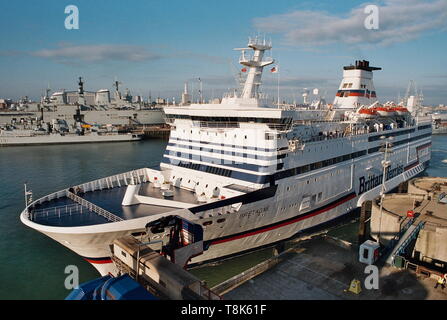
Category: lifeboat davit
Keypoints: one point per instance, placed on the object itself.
(385, 112)
(400, 110)
(367, 113)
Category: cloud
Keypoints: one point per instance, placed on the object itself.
(399, 21)
(69, 54)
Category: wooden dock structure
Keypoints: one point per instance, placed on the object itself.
(160, 131)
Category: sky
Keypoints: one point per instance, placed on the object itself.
(153, 47)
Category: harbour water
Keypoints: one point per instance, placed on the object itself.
(32, 266)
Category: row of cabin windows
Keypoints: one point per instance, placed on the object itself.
(216, 152)
(207, 223)
(424, 127)
(347, 85)
(207, 133)
(208, 169)
(314, 199)
(397, 143)
(321, 177)
(318, 165)
(231, 119)
(391, 134)
(223, 145)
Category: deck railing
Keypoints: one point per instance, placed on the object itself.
(118, 180)
(57, 211)
(93, 207)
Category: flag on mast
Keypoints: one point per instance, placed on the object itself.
(274, 69)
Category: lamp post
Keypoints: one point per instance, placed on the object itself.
(385, 164)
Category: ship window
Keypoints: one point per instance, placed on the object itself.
(123, 254)
(221, 220)
(207, 223)
(305, 203)
(320, 196)
(345, 85)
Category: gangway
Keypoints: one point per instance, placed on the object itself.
(404, 241)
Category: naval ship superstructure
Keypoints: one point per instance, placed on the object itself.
(95, 108)
(249, 173)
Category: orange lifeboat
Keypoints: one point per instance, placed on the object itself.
(400, 110)
(367, 113)
(384, 111)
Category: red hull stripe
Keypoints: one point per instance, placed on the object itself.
(98, 260)
(287, 222)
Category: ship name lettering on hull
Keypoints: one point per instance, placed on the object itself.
(374, 181)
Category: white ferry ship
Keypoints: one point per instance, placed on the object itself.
(250, 174)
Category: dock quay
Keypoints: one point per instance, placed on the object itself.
(322, 268)
(412, 255)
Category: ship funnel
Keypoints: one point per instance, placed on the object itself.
(357, 87)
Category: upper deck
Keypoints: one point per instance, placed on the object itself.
(101, 201)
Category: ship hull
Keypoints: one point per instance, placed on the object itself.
(92, 243)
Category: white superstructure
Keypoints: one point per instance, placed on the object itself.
(250, 174)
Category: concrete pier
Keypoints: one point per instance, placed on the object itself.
(322, 268)
(424, 203)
